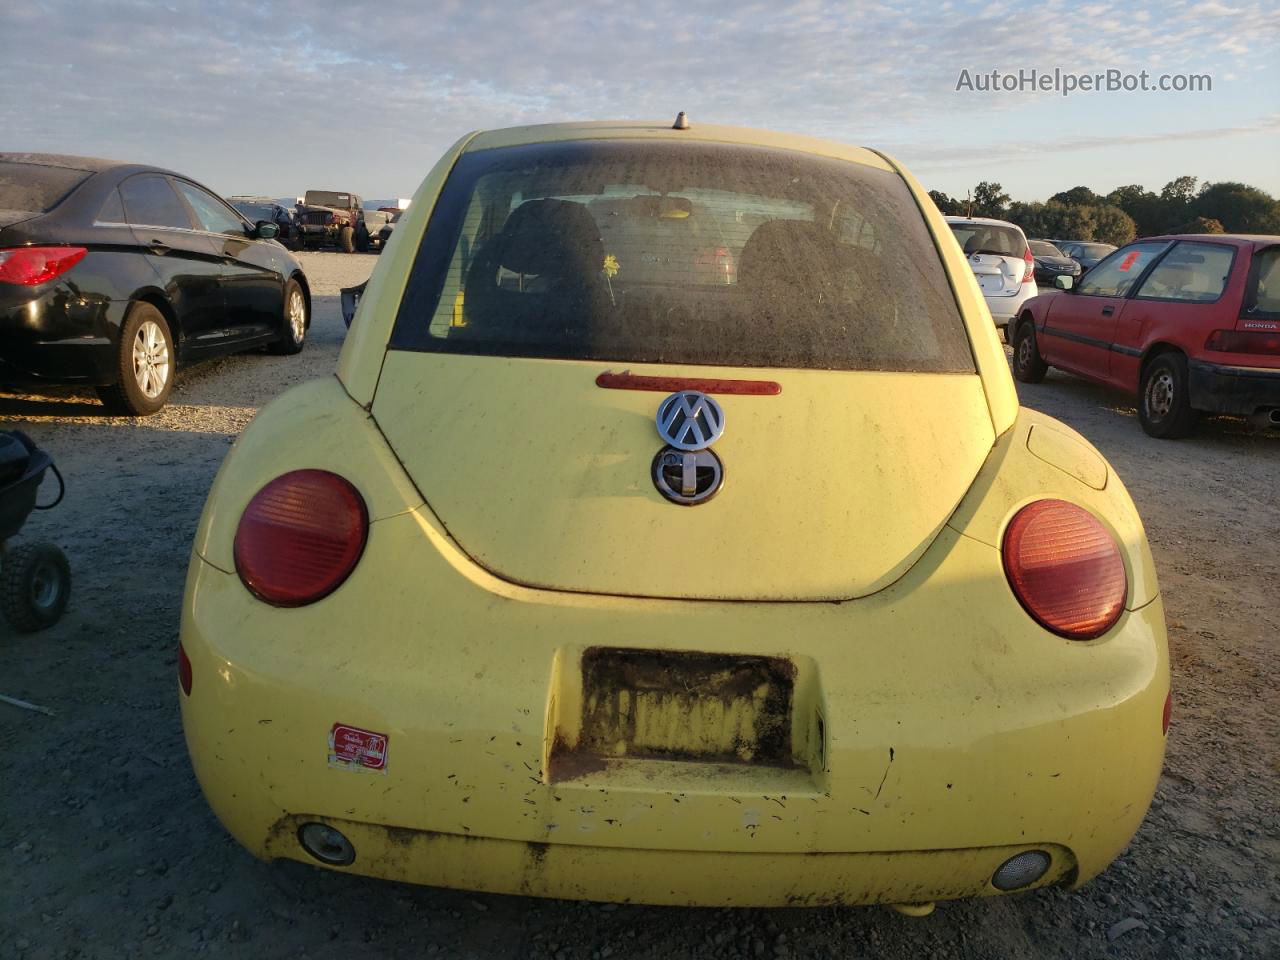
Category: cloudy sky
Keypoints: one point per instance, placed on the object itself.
(252, 96)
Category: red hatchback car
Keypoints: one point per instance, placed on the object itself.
(1188, 323)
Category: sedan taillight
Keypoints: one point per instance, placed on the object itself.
(1244, 341)
(300, 537)
(1065, 569)
(29, 266)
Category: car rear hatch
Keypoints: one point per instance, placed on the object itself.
(996, 254)
(853, 420)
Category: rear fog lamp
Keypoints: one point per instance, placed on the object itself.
(326, 844)
(1021, 870)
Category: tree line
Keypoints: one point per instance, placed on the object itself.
(1126, 212)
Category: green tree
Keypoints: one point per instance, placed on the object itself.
(1145, 207)
(1112, 225)
(948, 206)
(1179, 190)
(1053, 220)
(1077, 197)
(1239, 207)
(1200, 225)
(989, 200)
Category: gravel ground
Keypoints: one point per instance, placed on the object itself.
(108, 850)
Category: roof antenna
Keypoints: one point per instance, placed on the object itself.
(682, 121)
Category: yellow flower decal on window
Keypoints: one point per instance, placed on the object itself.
(610, 266)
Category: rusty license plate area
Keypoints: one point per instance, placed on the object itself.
(685, 705)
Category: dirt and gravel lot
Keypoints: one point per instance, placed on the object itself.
(108, 850)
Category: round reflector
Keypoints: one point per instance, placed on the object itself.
(1065, 569)
(300, 537)
(1021, 870)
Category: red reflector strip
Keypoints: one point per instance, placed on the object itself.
(746, 388)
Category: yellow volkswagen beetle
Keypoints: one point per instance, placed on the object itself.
(671, 533)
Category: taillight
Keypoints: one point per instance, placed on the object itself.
(1030, 262)
(29, 266)
(300, 537)
(1244, 341)
(1065, 569)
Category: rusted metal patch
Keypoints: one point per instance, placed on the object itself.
(680, 705)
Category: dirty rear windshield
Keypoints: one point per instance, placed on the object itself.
(35, 187)
(681, 253)
(326, 198)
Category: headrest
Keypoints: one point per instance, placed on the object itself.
(779, 244)
(550, 237)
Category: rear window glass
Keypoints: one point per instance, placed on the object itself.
(35, 187)
(1192, 272)
(989, 238)
(1263, 297)
(327, 198)
(256, 211)
(681, 253)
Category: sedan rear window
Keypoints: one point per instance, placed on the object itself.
(35, 187)
(681, 253)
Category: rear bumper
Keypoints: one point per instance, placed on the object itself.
(55, 339)
(928, 747)
(670, 877)
(1220, 388)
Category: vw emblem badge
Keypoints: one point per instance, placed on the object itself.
(690, 420)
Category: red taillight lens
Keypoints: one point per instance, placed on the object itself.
(1168, 712)
(29, 266)
(1065, 569)
(300, 537)
(1030, 262)
(184, 671)
(1244, 341)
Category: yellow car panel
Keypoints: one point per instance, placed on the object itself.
(560, 496)
(559, 684)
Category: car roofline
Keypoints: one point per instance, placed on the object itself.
(663, 131)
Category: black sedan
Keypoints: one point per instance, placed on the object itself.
(1052, 262)
(1086, 253)
(111, 274)
(257, 209)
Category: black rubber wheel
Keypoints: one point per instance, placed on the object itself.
(35, 584)
(363, 240)
(294, 321)
(1164, 398)
(1028, 365)
(347, 239)
(145, 364)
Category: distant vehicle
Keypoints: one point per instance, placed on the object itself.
(328, 218)
(385, 233)
(1087, 254)
(1188, 323)
(264, 208)
(1051, 262)
(374, 221)
(1001, 260)
(113, 273)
